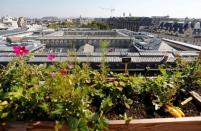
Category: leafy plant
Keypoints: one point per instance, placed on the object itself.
(191, 73)
(164, 88)
(126, 118)
(75, 94)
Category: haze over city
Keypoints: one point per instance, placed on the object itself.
(97, 8)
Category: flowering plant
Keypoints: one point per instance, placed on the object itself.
(76, 94)
(51, 56)
(20, 50)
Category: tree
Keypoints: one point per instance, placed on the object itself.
(97, 25)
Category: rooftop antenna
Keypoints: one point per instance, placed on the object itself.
(110, 9)
(130, 15)
(124, 14)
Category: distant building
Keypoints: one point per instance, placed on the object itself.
(3, 27)
(179, 29)
(130, 23)
(9, 22)
(82, 21)
(156, 20)
(50, 19)
(22, 22)
(87, 48)
(197, 29)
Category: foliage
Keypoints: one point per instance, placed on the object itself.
(164, 87)
(97, 25)
(191, 73)
(126, 118)
(104, 46)
(61, 25)
(83, 97)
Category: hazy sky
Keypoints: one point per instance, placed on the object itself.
(93, 8)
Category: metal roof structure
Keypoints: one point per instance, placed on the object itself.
(83, 37)
(141, 48)
(14, 32)
(110, 57)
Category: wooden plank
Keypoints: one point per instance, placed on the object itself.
(18, 126)
(196, 96)
(162, 124)
(41, 126)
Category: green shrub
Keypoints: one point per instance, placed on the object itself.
(80, 96)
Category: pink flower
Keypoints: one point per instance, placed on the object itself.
(20, 50)
(63, 72)
(53, 74)
(70, 66)
(51, 56)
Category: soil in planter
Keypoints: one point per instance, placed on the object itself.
(198, 90)
(144, 109)
(141, 108)
(192, 108)
(137, 110)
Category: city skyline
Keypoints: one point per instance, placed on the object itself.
(97, 8)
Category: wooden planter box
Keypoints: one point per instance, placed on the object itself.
(162, 124)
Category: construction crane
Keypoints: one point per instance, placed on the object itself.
(110, 9)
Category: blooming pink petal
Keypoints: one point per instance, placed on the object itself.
(51, 56)
(63, 72)
(20, 50)
(53, 74)
(71, 66)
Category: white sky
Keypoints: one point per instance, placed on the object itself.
(92, 8)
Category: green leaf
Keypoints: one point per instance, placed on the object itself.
(121, 83)
(59, 109)
(44, 106)
(73, 123)
(127, 105)
(17, 94)
(78, 124)
(128, 102)
(103, 124)
(82, 126)
(126, 118)
(106, 103)
(4, 115)
(163, 71)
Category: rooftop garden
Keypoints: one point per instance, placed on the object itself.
(93, 25)
(73, 93)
